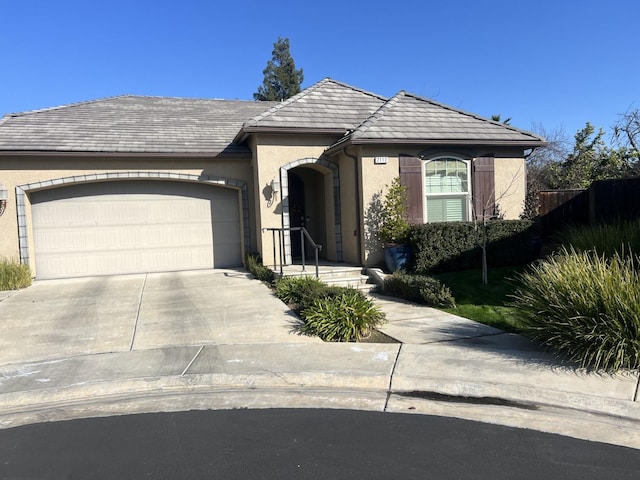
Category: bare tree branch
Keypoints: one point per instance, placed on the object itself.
(626, 130)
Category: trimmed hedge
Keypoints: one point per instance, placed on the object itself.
(253, 262)
(418, 288)
(451, 246)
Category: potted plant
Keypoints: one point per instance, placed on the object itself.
(394, 227)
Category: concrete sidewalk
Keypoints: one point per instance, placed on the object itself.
(168, 358)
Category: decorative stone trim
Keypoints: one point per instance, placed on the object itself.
(284, 188)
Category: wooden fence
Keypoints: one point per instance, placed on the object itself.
(603, 202)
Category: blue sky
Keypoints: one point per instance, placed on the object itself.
(556, 63)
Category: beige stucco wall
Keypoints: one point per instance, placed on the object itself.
(349, 212)
(362, 183)
(275, 151)
(376, 179)
(509, 180)
(510, 186)
(20, 170)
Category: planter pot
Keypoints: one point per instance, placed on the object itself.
(396, 256)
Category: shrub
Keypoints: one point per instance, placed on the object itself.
(14, 275)
(451, 246)
(253, 261)
(300, 291)
(395, 225)
(331, 312)
(347, 316)
(585, 306)
(606, 239)
(419, 288)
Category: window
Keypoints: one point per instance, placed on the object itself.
(447, 190)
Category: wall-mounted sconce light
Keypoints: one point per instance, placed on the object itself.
(4, 196)
(271, 192)
(275, 186)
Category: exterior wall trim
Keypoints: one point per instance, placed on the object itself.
(23, 190)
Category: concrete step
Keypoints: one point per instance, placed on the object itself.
(360, 282)
(332, 274)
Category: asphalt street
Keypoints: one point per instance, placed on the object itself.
(299, 443)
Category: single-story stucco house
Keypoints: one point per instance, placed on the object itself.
(140, 184)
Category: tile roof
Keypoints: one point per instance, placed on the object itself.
(132, 124)
(325, 106)
(180, 126)
(407, 118)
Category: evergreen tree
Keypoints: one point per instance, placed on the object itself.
(591, 159)
(281, 79)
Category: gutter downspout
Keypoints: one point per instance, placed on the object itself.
(359, 219)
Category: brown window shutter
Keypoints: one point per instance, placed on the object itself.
(483, 186)
(411, 177)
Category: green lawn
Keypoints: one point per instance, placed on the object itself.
(484, 303)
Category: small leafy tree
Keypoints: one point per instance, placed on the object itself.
(394, 221)
(489, 209)
(281, 78)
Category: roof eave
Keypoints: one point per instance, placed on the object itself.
(427, 142)
(247, 131)
(81, 153)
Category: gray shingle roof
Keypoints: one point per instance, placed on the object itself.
(132, 124)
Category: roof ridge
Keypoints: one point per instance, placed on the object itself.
(66, 105)
(254, 120)
(357, 89)
(473, 115)
(117, 97)
(378, 114)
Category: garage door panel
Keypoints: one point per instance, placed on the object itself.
(133, 227)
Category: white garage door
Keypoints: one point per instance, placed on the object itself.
(133, 227)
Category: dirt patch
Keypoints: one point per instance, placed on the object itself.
(378, 337)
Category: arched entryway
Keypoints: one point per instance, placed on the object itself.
(311, 199)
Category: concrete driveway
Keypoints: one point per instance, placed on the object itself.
(65, 318)
(219, 339)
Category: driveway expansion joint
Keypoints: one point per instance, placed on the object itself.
(135, 324)
(393, 369)
(192, 360)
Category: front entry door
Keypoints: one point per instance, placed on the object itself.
(297, 212)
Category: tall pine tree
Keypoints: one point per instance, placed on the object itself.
(281, 79)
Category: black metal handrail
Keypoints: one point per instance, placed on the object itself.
(303, 234)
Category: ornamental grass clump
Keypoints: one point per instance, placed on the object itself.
(586, 306)
(14, 275)
(345, 315)
(620, 236)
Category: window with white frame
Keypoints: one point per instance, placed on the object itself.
(447, 189)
